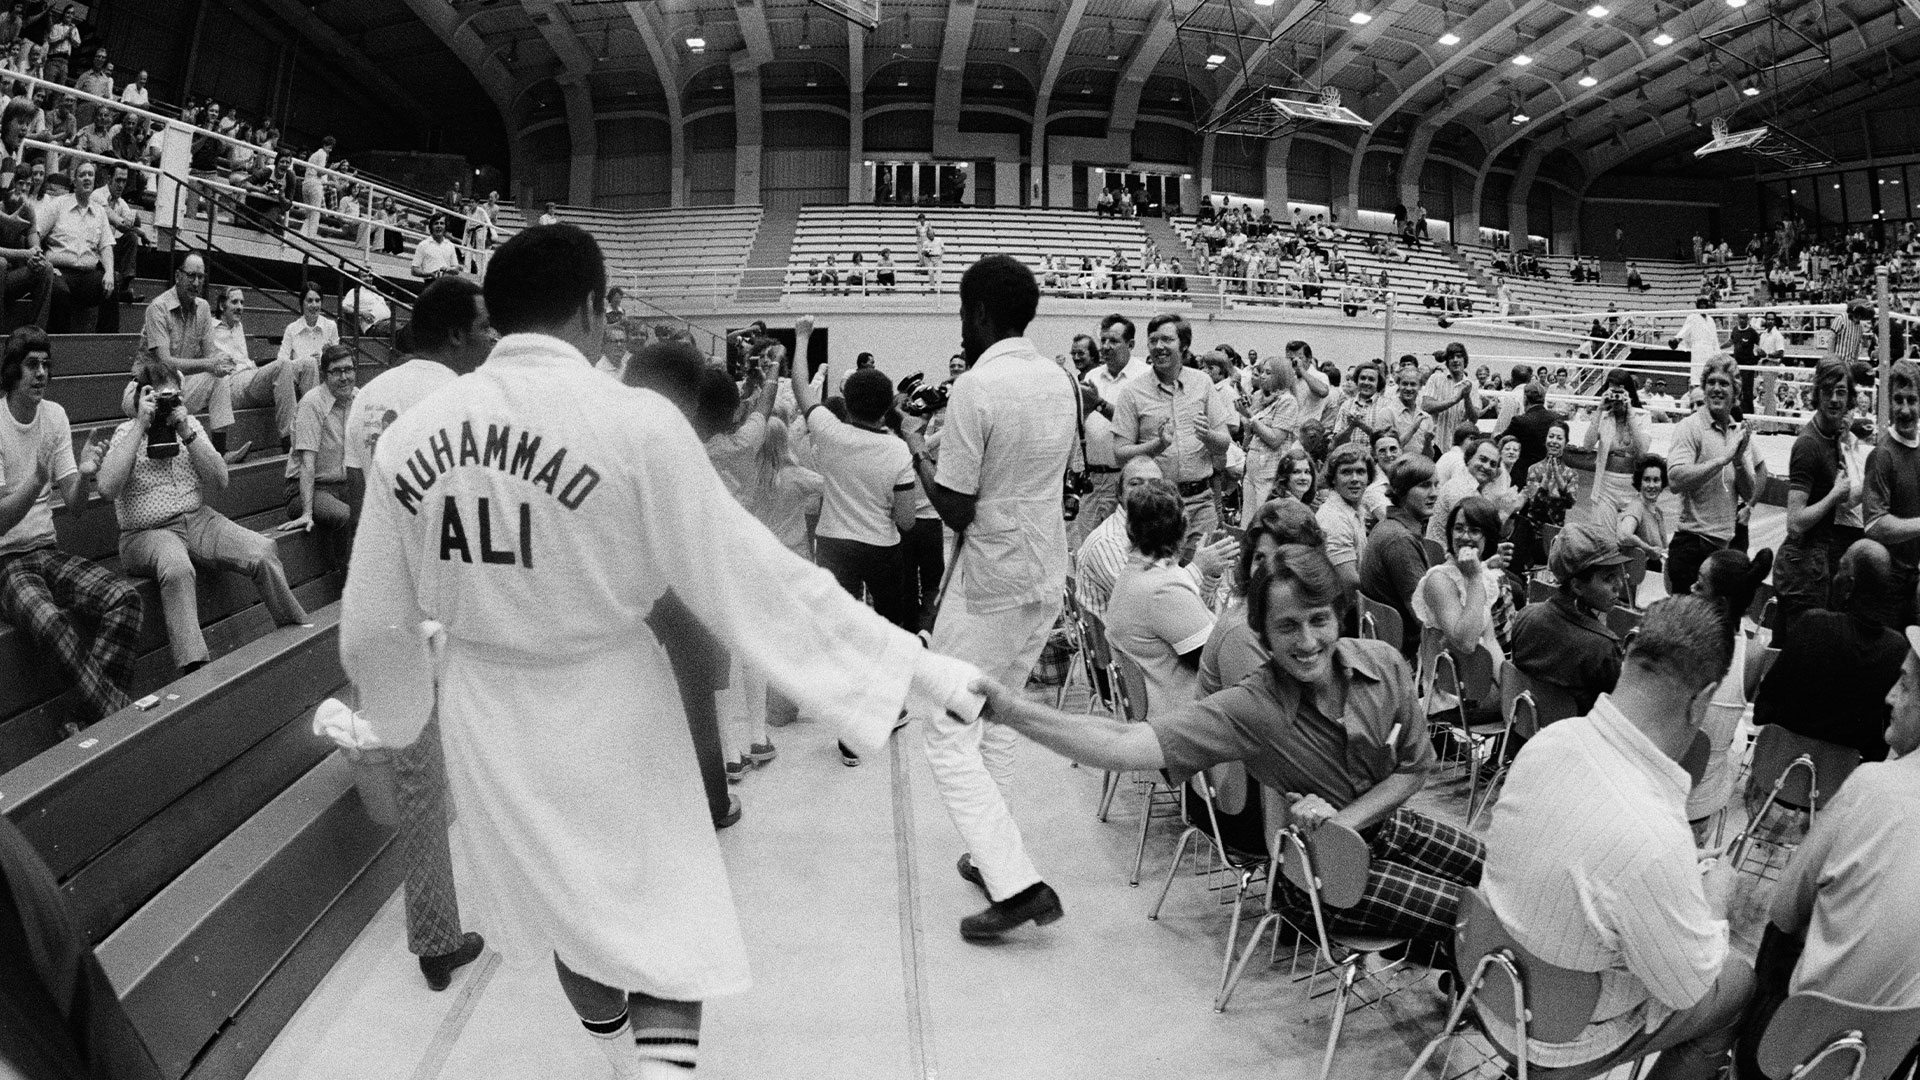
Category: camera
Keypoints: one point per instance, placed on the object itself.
(923, 401)
(162, 440)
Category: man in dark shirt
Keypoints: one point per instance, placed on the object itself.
(1831, 679)
(1744, 343)
(1530, 427)
(27, 274)
(1565, 642)
(1891, 506)
(1817, 486)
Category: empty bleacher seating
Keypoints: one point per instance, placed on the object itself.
(689, 252)
(1669, 284)
(968, 233)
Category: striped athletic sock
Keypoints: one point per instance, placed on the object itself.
(678, 1047)
(667, 1034)
(606, 1029)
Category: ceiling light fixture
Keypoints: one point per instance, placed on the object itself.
(1361, 16)
(697, 45)
(1751, 91)
(1736, 3)
(1447, 36)
(1598, 11)
(1661, 37)
(1216, 59)
(1586, 78)
(1262, 3)
(1521, 59)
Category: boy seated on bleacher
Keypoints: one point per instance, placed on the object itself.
(155, 470)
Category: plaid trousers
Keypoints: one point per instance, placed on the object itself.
(54, 597)
(420, 783)
(1420, 867)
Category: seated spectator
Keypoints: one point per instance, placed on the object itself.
(316, 465)
(82, 617)
(1454, 461)
(135, 92)
(1458, 597)
(1235, 650)
(1104, 553)
(1844, 922)
(1482, 468)
(166, 526)
(1831, 679)
(1591, 867)
(1633, 278)
(1729, 579)
(1356, 763)
(856, 276)
(1343, 516)
(1565, 641)
(1643, 524)
(1395, 557)
(1155, 615)
(96, 132)
(79, 244)
(28, 275)
(883, 271)
(125, 222)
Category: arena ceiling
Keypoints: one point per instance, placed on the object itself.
(1618, 82)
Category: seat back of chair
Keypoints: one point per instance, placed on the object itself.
(1385, 621)
(1762, 596)
(1694, 761)
(1330, 862)
(1517, 706)
(1839, 1033)
(1559, 1002)
(1777, 752)
(1131, 686)
(1759, 662)
(1623, 620)
(1636, 572)
(1540, 590)
(1550, 702)
(1436, 551)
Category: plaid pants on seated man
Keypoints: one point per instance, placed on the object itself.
(1418, 871)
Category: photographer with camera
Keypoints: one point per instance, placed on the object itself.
(155, 470)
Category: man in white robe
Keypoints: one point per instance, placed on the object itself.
(534, 514)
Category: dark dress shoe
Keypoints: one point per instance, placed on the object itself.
(439, 969)
(1037, 904)
(970, 872)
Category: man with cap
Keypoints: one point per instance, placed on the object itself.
(1843, 922)
(1565, 641)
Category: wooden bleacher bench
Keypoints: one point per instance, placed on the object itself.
(213, 849)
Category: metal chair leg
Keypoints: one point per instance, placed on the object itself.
(1246, 955)
(1140, 849)
(1454, 1017)
(1348, 972)
(1109, 785)
(1233, 928)
(1173, 868)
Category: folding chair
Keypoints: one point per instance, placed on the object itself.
(1540, 589)
(1101, 673)
(1762, 596)
(1436, 551)
(1200, 808)
(1513, 995)
(1635, 571)
(1803, 773)
(1467, 680)
(1810, 1034)
(1130, 683)
(1330, 866)
(1380, 622)
(1548, 534)
(1623, 620)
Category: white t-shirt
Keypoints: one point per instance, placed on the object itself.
(48, 438)
(385, 397)
(862, 469)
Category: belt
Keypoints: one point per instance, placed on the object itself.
(1190, 488)
(1101, 469)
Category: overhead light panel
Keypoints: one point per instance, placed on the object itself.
(1661, 37)
(1447, 36)
(1586, 78)
(1216, 59)
(1521, 117)
(1521, 59)
(1736, 3)
(1361, 16)
(1751, 91)
(697, 44)
(1599, 11)
(1262, 3)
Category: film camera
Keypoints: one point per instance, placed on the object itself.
(922, 400)
(162, 440)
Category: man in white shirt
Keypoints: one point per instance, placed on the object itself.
(549, 217)
(313, 187)
(300, 346)
(1591, 865)
(135, 92)
(613, 350)
(598, 500)
(1316, 393)
(1698, 337)
(1773, 352)
(79, 243)
(1009, 437)
(436, 256)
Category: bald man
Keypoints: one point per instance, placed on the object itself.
(1104, 552)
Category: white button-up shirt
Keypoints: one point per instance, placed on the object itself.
(1107, 384)
(1009, 437)
(1591, 866)
(303, 342)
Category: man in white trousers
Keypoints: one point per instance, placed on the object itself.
(520, 522)
(1009, 437)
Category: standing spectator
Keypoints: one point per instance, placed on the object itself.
(936, 256)
(1699, 338)
(1819, 485)
(62, 39)
(1591, 866)
(85, 618)
(1412, 426)
(316, 466)
(1271, 417)
(1530, 426)
(1172, 414)
(28, 275)
(1343, 517)
(1009, 438)
(166, 526)
(1450, 395)
(96, 80)
(12, 22)
(1711, 464)
(1892, 502)
(79, 244)
(1620, 434)
(313, 187)
(301, 346)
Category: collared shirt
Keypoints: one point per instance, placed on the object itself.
(320, 426)
(1557, 642)
(1269, 722)
(119, 215)
(134, 94)
(1812, 468)
(301, 342)
(431, 256)
(1145, 402)
(81, 231)
(1154, 617)
(1010, 435)
(1412, 425)
(1442, 386)
(231, 342)
(1591, 866)
(1108, 385)
(1850, 888)
(1375, 415)
(1893, 489)
(1345, 527)
(158, 490)
(186, 335)
(1708, 509)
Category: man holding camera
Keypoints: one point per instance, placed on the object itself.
(154, 470)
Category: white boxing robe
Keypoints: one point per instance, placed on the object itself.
(537, 512)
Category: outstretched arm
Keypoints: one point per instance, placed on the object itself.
(1104, 743)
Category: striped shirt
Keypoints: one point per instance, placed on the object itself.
(1591, 866)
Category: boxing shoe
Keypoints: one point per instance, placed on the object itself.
(439, 969)
(1037, 903)
(970, 872)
